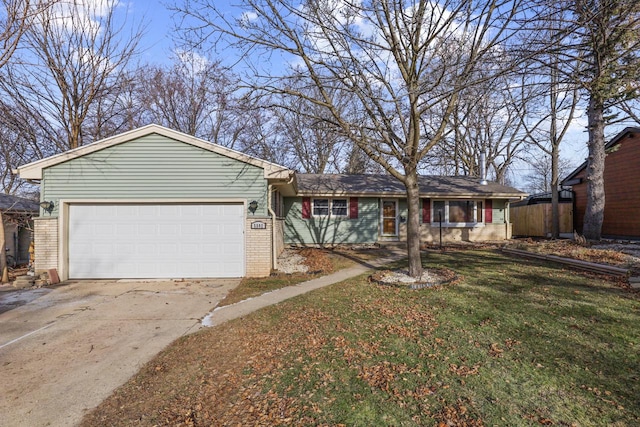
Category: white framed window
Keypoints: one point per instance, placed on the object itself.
(337, 207)
(463, 212)
(320, 207)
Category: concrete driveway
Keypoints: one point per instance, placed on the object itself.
(64, 350)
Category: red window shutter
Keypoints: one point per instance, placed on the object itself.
(306, 207)
(353, 208)
(488, 211)
(426, 210)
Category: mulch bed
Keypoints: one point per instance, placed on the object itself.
(431, 278)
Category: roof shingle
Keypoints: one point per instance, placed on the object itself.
(11, 203)
(430, 186)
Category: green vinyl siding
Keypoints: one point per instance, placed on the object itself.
(403, 211)
(155, 167)
(331, 230)
(498, 211)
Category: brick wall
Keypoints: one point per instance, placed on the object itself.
(622, 203)
(46, 243)
(258, 248)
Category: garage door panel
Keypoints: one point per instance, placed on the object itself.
(125, 229)
(211, 229)
(125, 249)
(145, 229)
(234, 248)
(190, 229)
(168, 231)
(164, 241)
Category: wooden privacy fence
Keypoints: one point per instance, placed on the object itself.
(535, 220)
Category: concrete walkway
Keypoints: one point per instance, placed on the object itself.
(242, 308)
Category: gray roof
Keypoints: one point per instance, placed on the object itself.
(386, 185)
(11, 203)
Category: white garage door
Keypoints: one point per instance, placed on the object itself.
(156, 241)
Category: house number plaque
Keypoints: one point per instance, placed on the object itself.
(258, 225)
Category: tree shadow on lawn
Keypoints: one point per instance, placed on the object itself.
(512, 343)
(481, 265)
(571, 322)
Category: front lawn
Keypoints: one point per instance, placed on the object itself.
(319, 262)
(513, 342)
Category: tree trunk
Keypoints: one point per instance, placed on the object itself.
(3, 253)
(555, 152)
(413, 224)
(594, 213)
(555, 198)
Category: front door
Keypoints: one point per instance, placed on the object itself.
(389, 217)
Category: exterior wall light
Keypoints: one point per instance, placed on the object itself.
(253, 206)
(47, 206)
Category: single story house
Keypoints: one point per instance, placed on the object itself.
(17, 214)
(621, 178)
(156, 203)
(331, 209)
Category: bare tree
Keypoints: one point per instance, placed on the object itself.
(120, 109)
(75, 54)
(541, 177)
(13, 23)
(401, 60)
(261, 137)
(597, 43)
(486, 120)
(631, 108)
(314, 142)
(556, 99)
(194, 95)
(357, 162)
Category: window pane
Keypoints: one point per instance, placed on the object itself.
(461, 211)
(480, 212)
(320, 207)
(438, 211)
(339, 207)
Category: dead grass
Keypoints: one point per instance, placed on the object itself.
(319, 262)
(516, 342)
(570, 249)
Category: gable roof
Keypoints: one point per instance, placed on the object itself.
(386, 185)
(9, 203)
(615, 140)
(34, 170)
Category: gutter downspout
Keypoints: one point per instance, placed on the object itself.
(274, 255)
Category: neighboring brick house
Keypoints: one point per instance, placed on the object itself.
(621, 181)
(156, 203)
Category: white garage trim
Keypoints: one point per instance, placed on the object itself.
(64, 210)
